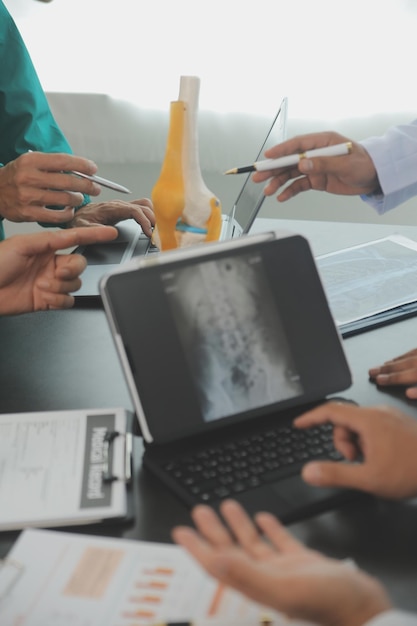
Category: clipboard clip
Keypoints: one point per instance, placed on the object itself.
(109, 438)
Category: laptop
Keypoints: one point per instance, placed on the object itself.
(233, 341)
(103, 258)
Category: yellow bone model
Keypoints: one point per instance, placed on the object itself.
(168, 192)
(200, 216)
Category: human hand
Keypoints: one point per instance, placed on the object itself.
(35, 180)
(278, 571)
(402, 370)
(115, 211)
(33, 277)
(351, 174)
(382, 440)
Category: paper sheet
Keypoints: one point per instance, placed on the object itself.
(370, 278)
(77, 580)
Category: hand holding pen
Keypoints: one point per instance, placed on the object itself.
(35, 181)
(48, 187)
(339, 149)
(104, 182)
(349, 173)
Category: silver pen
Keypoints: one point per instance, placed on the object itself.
(103, 182)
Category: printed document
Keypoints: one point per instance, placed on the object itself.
(370, 278)
(54, 578)
(52, 467)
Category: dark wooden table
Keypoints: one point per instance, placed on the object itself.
(66, 360)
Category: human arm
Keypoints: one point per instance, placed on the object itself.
(370, 439)
(280, 572)
(27, 123)
(402, 370)
(33, 182)
(382, 169)
(351, 174)
(114, 211)
(26, 120)
(394, 155)
(33, 277)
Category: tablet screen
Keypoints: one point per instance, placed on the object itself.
(228, 336)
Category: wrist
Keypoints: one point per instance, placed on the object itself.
(371, 600)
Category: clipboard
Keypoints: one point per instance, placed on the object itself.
(66, 468)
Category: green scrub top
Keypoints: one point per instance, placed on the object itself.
(26, 121)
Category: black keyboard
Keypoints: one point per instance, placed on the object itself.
(223, 470)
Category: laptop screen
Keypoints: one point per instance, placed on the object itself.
(251, 196)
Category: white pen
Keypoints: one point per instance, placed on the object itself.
(292, 159)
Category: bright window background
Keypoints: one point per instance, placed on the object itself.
(333, 59)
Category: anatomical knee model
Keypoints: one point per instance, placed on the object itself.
(186, 211)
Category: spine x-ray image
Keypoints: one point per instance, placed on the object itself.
(232, 335)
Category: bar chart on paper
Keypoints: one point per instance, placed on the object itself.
(80, 580)
(164, 588)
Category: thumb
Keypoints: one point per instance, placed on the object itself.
(330, 474)
(411, 393)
